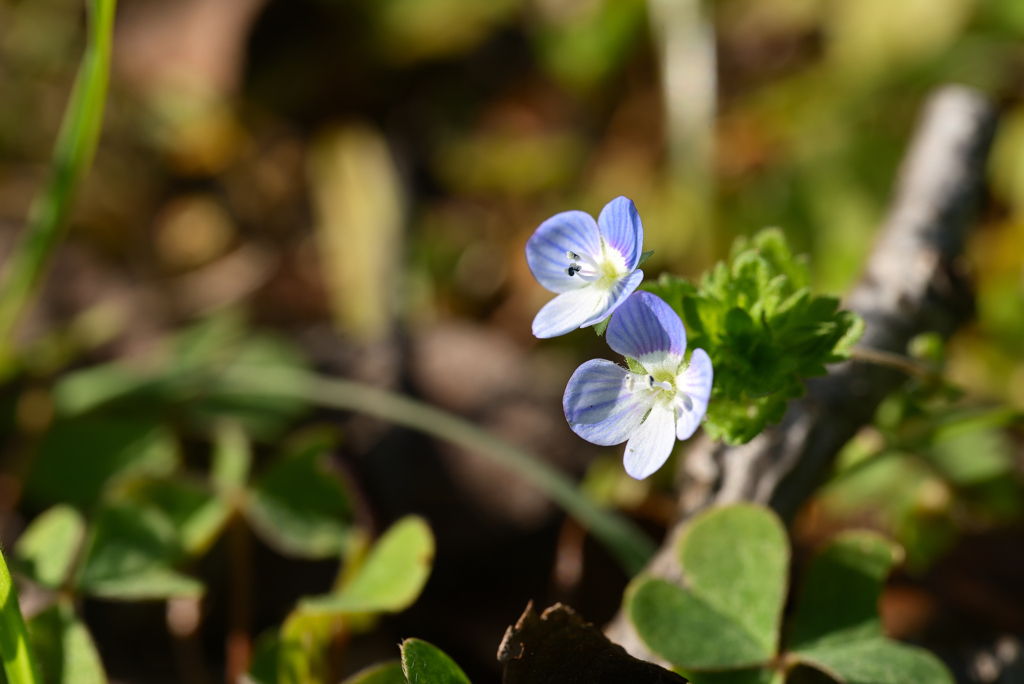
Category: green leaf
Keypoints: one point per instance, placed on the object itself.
(78, 459)
(385, 673)
(232, 456)
(129, 555)
(601, 326)
(391, 578)
(198, 516)
(759, 675)
(265, 654)
(687, 631)
(426, 664)
(876, 661)
(763, 330)
(635, 366)
(47, 550)
(644, 257)
(67, 654)
(736, 559)
(300, 507)
(839, 600)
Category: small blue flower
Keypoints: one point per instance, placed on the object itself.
(607, 404)
(590, 265)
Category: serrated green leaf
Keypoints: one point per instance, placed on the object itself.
(839, 600)
(392, 577)
(601, 326)
(129, 556)
(736, 559)
(385, 673)
(425, 663)
(78, 459)
(300, 506)
(64, 647)
(876, 661)
(47, 550)
(763, 330)
(687, 631)
(197, 514)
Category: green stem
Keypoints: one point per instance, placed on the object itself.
(19, 665)
(72, 157)
(630, 545)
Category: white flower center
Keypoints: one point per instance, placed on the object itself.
(665, 391)
(604, 268)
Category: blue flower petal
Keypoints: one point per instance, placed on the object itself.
(651, 443)
(622, 230)
(569, 231)
(695, 381)
(599, 407)
(568, 311)
(615, 297)
(645, 328)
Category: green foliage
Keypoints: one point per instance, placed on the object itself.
(300, 506)
(47, 550)
(78, 459)
(736, 561)
(67, 654)
(391, 578)
(130, 556)
(385, 673)
(723, 626)
(197, 514)
(424, 663)
(763, 329)
(929, 468)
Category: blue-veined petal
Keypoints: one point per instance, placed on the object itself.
(615, 296)
(651, 443)
(598, 405)
(695, 382)
(645, 328)
(569, 231)
(568, 311)
(622, 230)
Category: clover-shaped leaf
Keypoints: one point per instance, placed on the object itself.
(47, 550)
(836, 628)
(300, 506)
(390, 579)
(130, 556)
(64, 647)
(425, 663)
(722, 625)
(735, 561)
(385, 673)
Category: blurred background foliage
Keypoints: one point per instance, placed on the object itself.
(348, 185)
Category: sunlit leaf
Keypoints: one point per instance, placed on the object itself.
(426, 664)
(385, 673)
(66, 652)
(391, 578)
(46, 551)
(876, 661)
